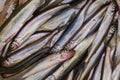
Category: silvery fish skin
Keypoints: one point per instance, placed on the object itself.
(92, 62)
(30, 61)
(117, 53)
(11, 27)
(90, 74)
(33, 25)
(79, 51)
(79, 48)
(95, 6)
(67, 1)
(7, 10)
(32, 54)
(107, 69)
(2, 4)
(72, 30)
(50, 61)
(51, 4)
(98, 70)
(20, 55)
(39, 75)
(63, 18)
(71, 75)
(31, 39)
(116, 72)
(113, 47)
(104, 27)
(27, 63)
(32, 48)
(79, 71)
(7, 51)
(56, 73)
(87, 28)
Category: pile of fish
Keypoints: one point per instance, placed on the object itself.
(60, 39)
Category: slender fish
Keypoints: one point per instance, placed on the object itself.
(107, 69)
(116, 72)
(92, 62)
(104, 27)
(96, 6)
(87, 28)
(72, 30)
(33, 25)
(98, 69)
(14, 24)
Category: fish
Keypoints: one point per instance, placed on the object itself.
(49, 61)
(71, 75)
(2, 4)
(51, 4)
(95, 7)
(9, 7)
(98, 69)
(31, 39)
(63, 18)
(92, 62)
(90, 74)
(80, 68)
(67, 1)
(107, 69)
(79, 49)
(20, 55)
(71, 31)
(87, 29)
(117, 54)
(79, 52)
(11, 27)
(104, 27)
(40, 75)
(116, 72)
(33, 25)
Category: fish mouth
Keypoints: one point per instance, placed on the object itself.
(15, 45)
(65, 55)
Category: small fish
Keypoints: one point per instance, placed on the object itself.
(107, 69)
(104, 27)
(98, 69)
(49, 62)
(51, 4)
(92, 62)
(33, 25)
(71, 75)
(80, 69)
(87, 29)
(117, 53)
(14, 24)
(79, 52)
(30, 40)
(90, 74)
(72, 30)
(95, 7)
(116, 72)
(23, 53)
(8, 8)
(64, 17)
(39, 75)
(67, 1)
